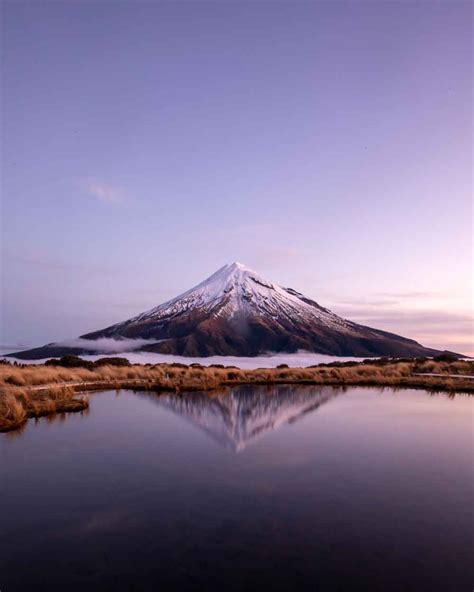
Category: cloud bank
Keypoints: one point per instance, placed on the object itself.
(108, 345)
(297, 360)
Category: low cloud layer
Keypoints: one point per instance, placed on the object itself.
(299, 359)
(108, 345)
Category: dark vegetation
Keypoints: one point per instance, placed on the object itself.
(70, 361)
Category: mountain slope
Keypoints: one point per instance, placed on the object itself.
(238, 416)
(237, 312)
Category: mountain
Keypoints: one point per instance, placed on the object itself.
(237, 312)
(239, 415)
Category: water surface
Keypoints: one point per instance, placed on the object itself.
(279, 488)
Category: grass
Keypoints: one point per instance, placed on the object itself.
(18, 404)
(36, 390)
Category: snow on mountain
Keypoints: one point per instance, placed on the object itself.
(235, 290)
(240, 415)
(237, 312)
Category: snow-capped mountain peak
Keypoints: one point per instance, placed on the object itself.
(235, 290)
(236, 311)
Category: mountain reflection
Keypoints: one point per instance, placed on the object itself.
(237, 416)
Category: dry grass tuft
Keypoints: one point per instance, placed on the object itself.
(36, 390)
(12, 412)
(17, 405)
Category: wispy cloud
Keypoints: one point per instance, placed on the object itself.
(46, 264)
(430, 318)
(103, 191)
(390, 299)
(441, 329)
(361, 303)
(409, 295)
(42, 263)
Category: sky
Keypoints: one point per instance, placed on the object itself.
(327, 145)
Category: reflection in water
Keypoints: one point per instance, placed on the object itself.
(371, 491)
(238, 415)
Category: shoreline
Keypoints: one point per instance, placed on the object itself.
(32, 391)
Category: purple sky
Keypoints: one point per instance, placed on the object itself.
(325, 144)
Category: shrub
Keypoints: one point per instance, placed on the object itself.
(70, 362)
(446, 357)
(112, 362)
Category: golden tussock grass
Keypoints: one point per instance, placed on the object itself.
(36, 390)
(17, 404)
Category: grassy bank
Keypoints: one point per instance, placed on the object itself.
(17, 405)
(34, 390)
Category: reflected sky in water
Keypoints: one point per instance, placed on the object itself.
(288, 487)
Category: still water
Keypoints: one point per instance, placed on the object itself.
(270, 488)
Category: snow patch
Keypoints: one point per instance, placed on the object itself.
(235, 290)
